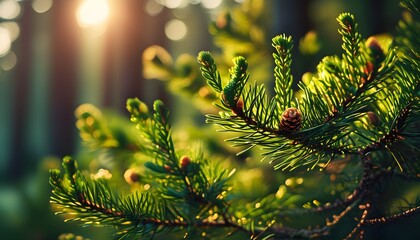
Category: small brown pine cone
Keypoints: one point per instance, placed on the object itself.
(291, 120)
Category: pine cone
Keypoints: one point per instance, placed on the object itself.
(291, 120)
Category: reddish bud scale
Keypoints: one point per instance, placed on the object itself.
(368, 68)
(184, 161)
(222, 21)
(239, 107)
(376, 51)
(168, 168)
(229, 103)
(374, 45)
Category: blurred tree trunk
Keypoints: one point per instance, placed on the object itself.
(129, 32)
(63, 76)
(16, 163)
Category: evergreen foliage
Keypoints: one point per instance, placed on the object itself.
(185, 194)
(355, 119)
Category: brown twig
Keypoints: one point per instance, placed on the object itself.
(384, 220)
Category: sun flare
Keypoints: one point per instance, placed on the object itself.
(92, 13)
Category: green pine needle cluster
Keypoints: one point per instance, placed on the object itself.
(185, 191)
(364, 101)
(282, 70)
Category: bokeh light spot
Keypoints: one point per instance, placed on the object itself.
(41, 6)
(92, 13)
(281, 192)
(8, 62)
(9, 9)
(153, 8)
(194, 1)
(12, 28)
(172, 3)
(5, 41)
(210, 4)
(176, 30)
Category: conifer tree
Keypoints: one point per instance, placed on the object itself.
(348, 133)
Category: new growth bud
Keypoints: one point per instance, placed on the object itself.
(138, 110)
(55, 176)
(238, 78)
(205, 59)
(184, 161)
(69, 165)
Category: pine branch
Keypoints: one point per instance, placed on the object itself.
(156, 129)
(361, 106)
(385, 220)
(361, 220)
(138, 214)
(348, 87)
(93, 203)
(209, 71)
(408, 27)
(282, 71)
(256, 121)
(363, 78)
(96, 132)
(202, 186)
(351, 46)
(347, 84)
(255, 116)
(188, 192)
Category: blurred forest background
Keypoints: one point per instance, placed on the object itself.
(56, 55)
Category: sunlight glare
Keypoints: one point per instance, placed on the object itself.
(92, 13)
